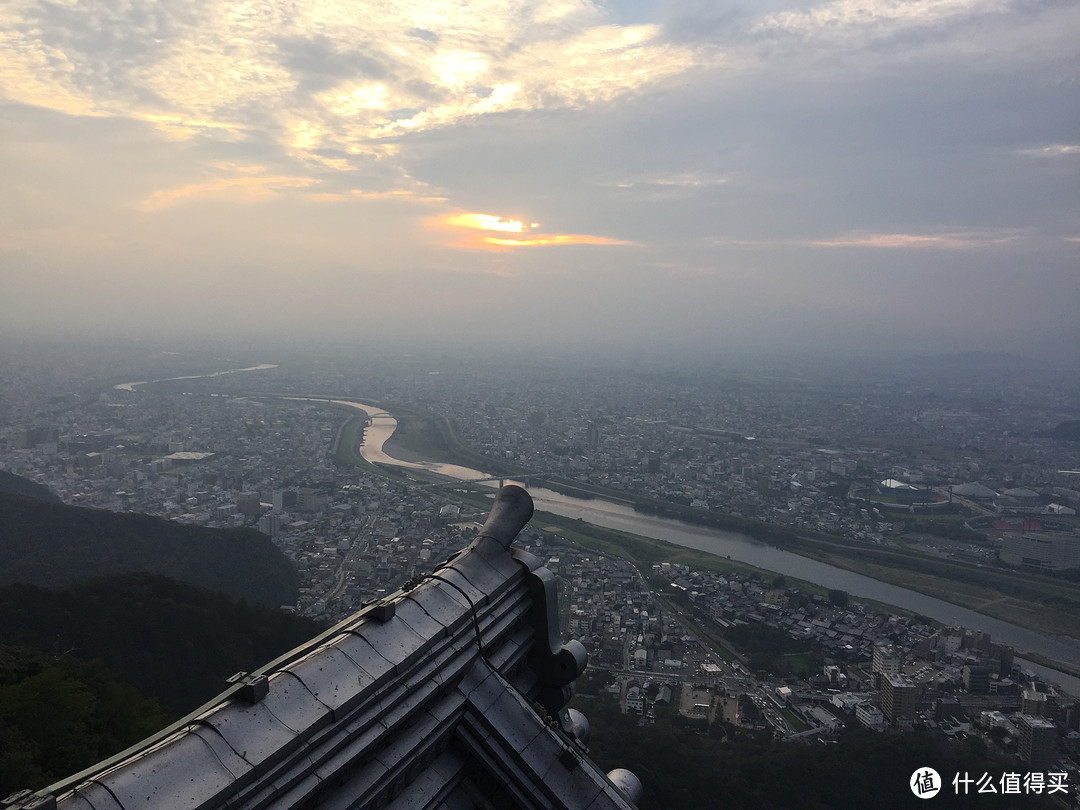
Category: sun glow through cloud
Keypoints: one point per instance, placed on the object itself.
(469, 222)
(485, 222)
(742, 150)
(543, 240)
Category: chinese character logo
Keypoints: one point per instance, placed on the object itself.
(925, 783)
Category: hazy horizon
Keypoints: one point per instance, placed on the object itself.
(868, 178)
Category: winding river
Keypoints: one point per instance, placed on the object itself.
(744, 549)
(733, 545)
(131, 386)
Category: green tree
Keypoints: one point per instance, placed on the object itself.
(58, 716)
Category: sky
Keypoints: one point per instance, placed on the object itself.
(683, 175)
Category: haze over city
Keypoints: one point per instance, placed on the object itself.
(868, 176)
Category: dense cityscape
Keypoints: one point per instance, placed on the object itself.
(795, 448)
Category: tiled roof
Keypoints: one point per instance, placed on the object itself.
(450, 693)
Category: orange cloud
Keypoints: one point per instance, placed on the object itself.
(464, 223)
(541, 240)
(246, 189)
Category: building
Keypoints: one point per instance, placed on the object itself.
(898, 700)
(976, 679)
(248, 503)
(887, 661)
(311, 500)
(1056, 551)
(870, 716)
(283, 499)
(270, 524)
(837, 679)
(710, 670)
(446, 693)
(1033, 702)
(1038, 739)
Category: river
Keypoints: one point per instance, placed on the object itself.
(130, 386)
(745, 549)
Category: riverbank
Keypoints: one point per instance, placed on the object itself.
(622, 518)
(1037, 603)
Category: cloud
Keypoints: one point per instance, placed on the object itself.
(846, 17)
(485, 222)
(956, 240)
(464, 225)
(1056, 150)
(839, 142)
(321, 76)
(683, 182)
(247, 188)
(960, 240)
(546, 240)
(394, 195)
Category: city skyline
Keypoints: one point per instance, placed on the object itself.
(856, 177)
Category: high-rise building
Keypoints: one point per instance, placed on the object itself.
(284, 499)
(1038, 738)
(898, 700)
(976, 679)
(887, 661)
(270, 524)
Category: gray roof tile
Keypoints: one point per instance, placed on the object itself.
(444, 604)
(394, 640)
(91, 796)
(361, 713)
(418, 619)
(293, 705)
(332, 677)
(254, 732)
(511, 719)
(188, 775)
(359, 649)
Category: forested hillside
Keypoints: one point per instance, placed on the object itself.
(114, 625)
(17, 485)
(59, 714)
(173, 641)
(53, 545)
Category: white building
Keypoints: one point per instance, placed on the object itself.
(1056, 551)
(870, 716)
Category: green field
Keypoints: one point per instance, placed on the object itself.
(800, 664)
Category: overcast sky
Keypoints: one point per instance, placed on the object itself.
(844, 175)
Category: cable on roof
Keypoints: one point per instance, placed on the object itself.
(472, 608)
